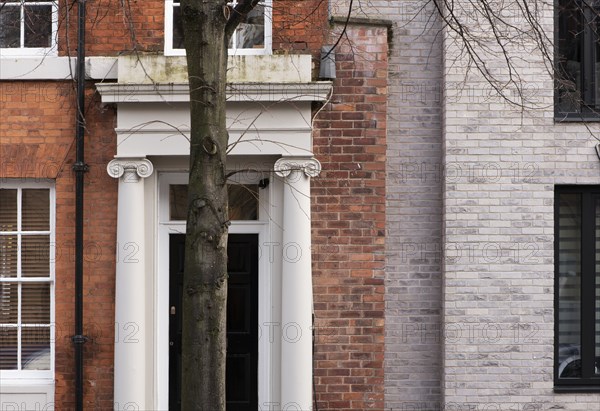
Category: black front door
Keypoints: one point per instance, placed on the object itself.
(242, 321)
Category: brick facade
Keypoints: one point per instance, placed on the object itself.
(37, 134)
(30, 152)
(349, 225)
(470, 216)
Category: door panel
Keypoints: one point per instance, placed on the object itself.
(242, 321)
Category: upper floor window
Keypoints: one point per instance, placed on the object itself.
(577, 288)
(578, 60)
(26, 280)
(252, 36)
(28, 27)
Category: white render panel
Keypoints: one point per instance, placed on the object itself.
(27, 396)
(285, 68)
(148, 129)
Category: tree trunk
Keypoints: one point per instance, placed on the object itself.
(205, 273)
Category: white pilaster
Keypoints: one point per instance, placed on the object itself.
(130, 307)
(296, 283)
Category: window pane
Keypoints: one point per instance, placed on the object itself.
(178, 201)
(596, 30)
(35, 255)
(569, 279)
(9, 303)
(177, 28)
(35, 303)
(10, 26)
(38, 26)
(35, 348)
(35, 210)
(8, 348)
(569, 56)
(243, 202)
(8, 210)
(251, 33)
(8, 256)
(597, 305)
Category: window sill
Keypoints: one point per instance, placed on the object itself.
(231, 52)
(576, 118)
(577, 389)
(54, 67)
(28, 52)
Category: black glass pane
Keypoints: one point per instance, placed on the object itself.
(569, 56)
(597, 286)
(596, 31)
(10, 26)
(38, 26)
(177, 29)
(569, 286)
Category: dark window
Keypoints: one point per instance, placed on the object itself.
(577, 288)
(27, 25)
(578, 60)
(243, 201)
(251, 34)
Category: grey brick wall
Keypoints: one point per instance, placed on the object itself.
(414, 210)
(502, 164)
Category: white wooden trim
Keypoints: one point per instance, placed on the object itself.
(43, 377)
(267, 49)
(23, 51)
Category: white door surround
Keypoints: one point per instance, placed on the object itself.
(270, 124)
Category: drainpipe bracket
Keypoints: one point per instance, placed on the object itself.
(79, 339)
(80, 167)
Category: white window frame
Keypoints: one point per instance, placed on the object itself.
(267, 49)
(23, 51)
(6, 376)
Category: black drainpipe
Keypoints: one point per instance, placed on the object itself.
(80, 167)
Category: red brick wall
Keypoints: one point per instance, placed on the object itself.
(37, 136)
(348, 211)
(299, 26)
(116, 26)
(37, 141)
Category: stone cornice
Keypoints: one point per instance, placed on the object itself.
(179, 92)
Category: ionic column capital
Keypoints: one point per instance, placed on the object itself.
(135, 167)
(309, 166)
